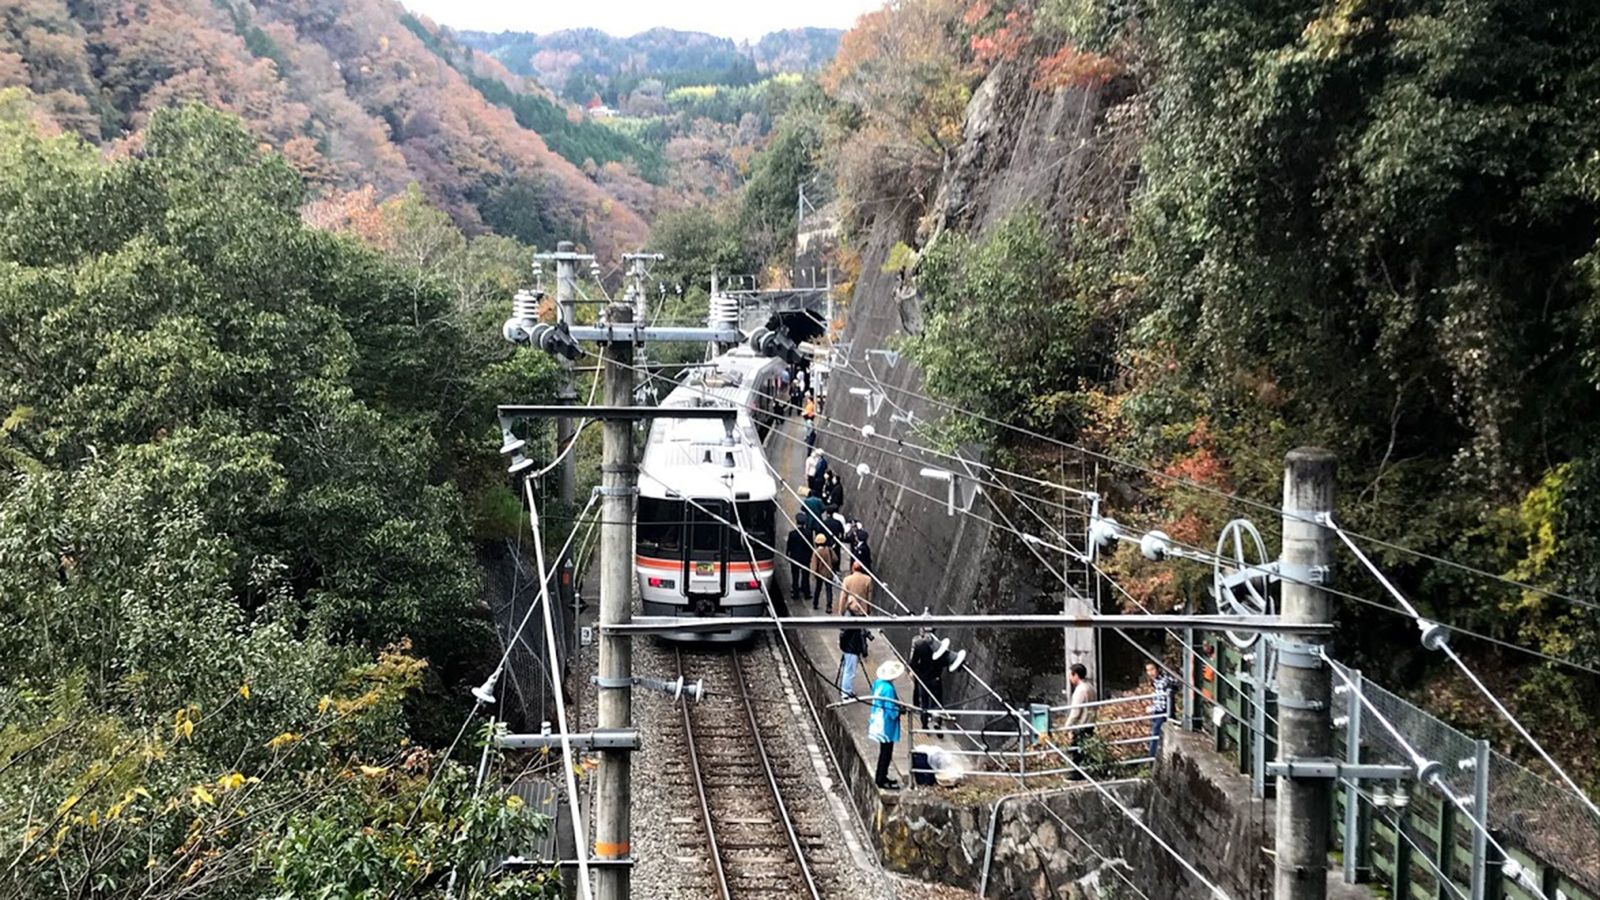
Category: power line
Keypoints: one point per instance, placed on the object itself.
(1225, 495)
(1014, 713)
(1444, 647)
(1427, 770)
(1457, 629)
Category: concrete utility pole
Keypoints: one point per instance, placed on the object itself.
(566, 259)
(1303, 679)
(619, 478)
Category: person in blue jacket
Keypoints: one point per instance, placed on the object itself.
(883, 725)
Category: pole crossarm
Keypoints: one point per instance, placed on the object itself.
(516, 411)
(639, 334)
(1334, 769)
(599, 739)
(671, 624)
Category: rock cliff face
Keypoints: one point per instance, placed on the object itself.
(1057, 152)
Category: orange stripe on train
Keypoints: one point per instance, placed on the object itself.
(672, 565)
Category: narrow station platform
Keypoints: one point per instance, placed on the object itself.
(786, 449)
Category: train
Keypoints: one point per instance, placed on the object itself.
(689, 561)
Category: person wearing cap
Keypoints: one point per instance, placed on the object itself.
(824, 564)
(927, 687)
(883, 724)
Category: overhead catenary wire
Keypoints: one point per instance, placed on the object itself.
(1030, 538)
(1216, 891)
(579, 832)
(1427, 772)
(1227, 495)
(1445, 648)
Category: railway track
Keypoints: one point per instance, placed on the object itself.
(752, 824)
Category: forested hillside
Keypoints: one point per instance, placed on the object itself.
(583, 64)
(350, 91)
(243, 466)
(1258, 225)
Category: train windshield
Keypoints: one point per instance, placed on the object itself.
(757, 517)
(661, 527)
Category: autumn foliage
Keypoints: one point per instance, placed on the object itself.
(342, 88)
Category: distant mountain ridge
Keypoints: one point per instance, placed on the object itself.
(586, 62)
(356, 94)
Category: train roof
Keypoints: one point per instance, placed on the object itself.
(698, 457)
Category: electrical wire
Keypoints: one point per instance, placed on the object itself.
(579, 831)
(1012, 711)
(1419, 761)
(1444, 647)
(1225, 495)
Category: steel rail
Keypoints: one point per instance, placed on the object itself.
(700, 788)
(772, 782)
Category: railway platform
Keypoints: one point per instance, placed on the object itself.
(821, 648)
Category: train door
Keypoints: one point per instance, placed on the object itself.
(705, 555)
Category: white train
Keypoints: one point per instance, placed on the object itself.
(688, 561)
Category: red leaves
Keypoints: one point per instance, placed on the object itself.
(1074, 67)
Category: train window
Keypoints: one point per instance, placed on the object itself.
(706, 529)
(757, 518)
(660, 527)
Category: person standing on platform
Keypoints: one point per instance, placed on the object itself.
(1161, 687)
(798, 549)
(883, 725)
(856, 591)
(855, 534)
(816, 474)
(824, 564)
(832, 489)
(927, 688)
(809, 411)
(814, 514)
(1081, 713)
(852, 643)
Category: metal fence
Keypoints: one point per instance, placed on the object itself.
(1413, 839)
(1031, 742)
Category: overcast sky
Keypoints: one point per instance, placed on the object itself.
(738, 19)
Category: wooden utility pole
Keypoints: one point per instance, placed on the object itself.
(1303, 681)
(619, 480)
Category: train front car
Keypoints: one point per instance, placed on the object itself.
(697, 481)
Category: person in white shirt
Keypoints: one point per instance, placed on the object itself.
(1081, 714)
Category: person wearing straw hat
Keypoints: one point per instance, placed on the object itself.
(883, 725)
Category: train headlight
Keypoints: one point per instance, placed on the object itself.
(747, 585)
(663, 583)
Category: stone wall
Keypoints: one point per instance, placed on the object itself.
(1062, 844)
(1075, 843)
